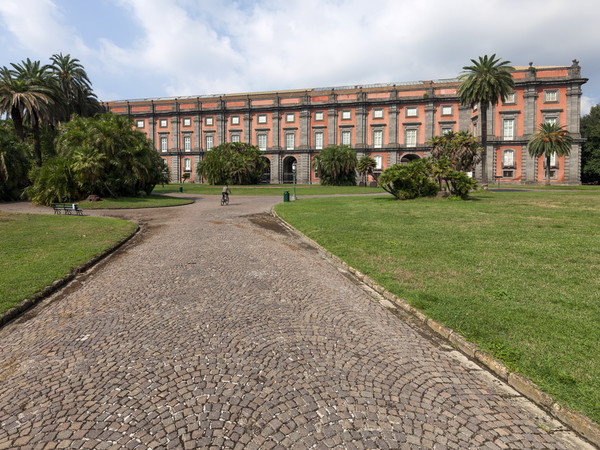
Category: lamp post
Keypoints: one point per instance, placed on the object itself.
(294, 174)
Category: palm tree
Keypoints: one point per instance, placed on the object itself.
(366, 165)
(74, 84)
(550, 139)
(485, 83)
(337, 165)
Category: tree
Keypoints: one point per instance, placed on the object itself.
(485, 82)
(233, 163)
(365, 167)
(550, 139)
(408, 181)
(337, 165)
(462, 149)
(14, 163)
(590, 155)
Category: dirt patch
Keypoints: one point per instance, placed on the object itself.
(268, 222)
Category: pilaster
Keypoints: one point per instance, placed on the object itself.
(304, 129)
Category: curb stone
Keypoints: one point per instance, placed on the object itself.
(576, 421)
(28, 303)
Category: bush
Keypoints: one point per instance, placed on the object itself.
(337, 166)
(407, 181)
(14, 164)
(233, 163)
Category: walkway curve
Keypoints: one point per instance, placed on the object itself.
(218, 327)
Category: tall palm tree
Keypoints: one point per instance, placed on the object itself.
(485, 83)
(365, 167)
(550, 139)
(73, 82)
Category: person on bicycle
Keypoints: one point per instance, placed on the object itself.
(225, 193)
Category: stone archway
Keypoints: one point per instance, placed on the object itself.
(408, 157)
(266, 178)
(288, 173)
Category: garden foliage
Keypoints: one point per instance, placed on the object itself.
(337, 165)
(233, 163)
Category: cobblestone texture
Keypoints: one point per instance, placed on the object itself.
(218, 328)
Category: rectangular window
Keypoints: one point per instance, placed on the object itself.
(411, 137)
(378, 138)
(262, 141)
(235, 138)
(508, 174)
(347, 138)
(209, 121)
(378, 162)
(187, 165)
(290, 141)
(235, 120)
(139, 123)
(164, 143)
(290, 117)
(510, 98)
(319, 116)
(553, 120)
(262, 118)
(187, 122)
(378, 114)
(187, 143)
(162, 123)
(209, 140)
(508, 159)
(508, 131)
(319, 140)
(346, 115)
(411, 111)
(553, 161)
(447, 110)
(551, 96)
(444, 130)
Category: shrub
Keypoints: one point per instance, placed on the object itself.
(337, 165)
(407, 181)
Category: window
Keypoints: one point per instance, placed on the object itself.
(551, 96)
(162, 123)
(262, 141)
(346, 115)
(235, 120)
(187, 143)
(187, 165)
(209, 141)
(139, 123)
(290, 117)
(262, 118)
(319, 116)
(235, 137)
(378, 138)
(411, 111)
(290, 141)
(474, 129)
(508, 129)
(508, 174)
(446, 129)
(378, 114)
(164, 143)
(508, 159)
(378, 162)
(510, 98)
(209, 121)
(551, 119)
(187, 122)
(411, 137)
(318, 140)
(553, 161)
(447, 110)
(347, 138)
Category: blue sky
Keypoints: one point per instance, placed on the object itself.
(162, 48)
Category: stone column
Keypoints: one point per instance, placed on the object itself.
(429, 121)
(393, 126)
(304, 138)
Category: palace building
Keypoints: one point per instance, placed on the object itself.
(390, 122)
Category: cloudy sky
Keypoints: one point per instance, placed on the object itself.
(161, 48)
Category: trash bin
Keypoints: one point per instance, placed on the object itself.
(180, 188)
(286, 196)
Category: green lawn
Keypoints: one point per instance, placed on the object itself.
(516, 272)
(152, 201)
(267, 189)
(37, 249)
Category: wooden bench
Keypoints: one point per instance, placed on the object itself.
(67, 208)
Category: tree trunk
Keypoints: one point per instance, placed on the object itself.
(547, 170)
(37, 144)
(483, 111)
(17, 118)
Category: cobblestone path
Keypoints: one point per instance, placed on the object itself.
(218, 327)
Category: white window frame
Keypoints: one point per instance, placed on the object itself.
(290, 141)
(410, 131)
(510, 99)
(235, 120)
(140, 123)
(319, 116)
(209, 121)
(164, 143)
(447, 110)
(187, 142)
(319, 140)
(187, 122)
(510, 164)
(378, 113)
(235, 137)
(262, 118)
(162, 123)
(446, 129)
(262, 137)
(347, 133)
(412, 111)
(378, 138)
(508, 129)
(290, 117)
(209, 141)
(378, 162)
(347, 114)
(552, 119)
(551, 96)
(187, 164)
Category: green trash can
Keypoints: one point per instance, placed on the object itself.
(286, 196)
(180, 188)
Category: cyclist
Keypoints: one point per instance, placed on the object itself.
(225, 193)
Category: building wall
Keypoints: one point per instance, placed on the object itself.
(393, 121)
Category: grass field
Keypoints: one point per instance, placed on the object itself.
(36, 250)
(152, 201)
(266, 189)
(516, 272)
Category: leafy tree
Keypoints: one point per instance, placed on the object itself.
(14, 164)
(485, 82)
(462, 149)
(408, 181)
(550, 139)
(337, 165)
(590, 157)
(233, 163)
(456, 182)
(365, 167)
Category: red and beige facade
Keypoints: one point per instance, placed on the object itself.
(390, 122)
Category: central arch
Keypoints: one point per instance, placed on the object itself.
(288, 173)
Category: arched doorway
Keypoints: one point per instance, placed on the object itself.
(408, 158)
(266, 178)
(288, 173)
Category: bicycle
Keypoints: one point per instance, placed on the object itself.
(224, 200)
